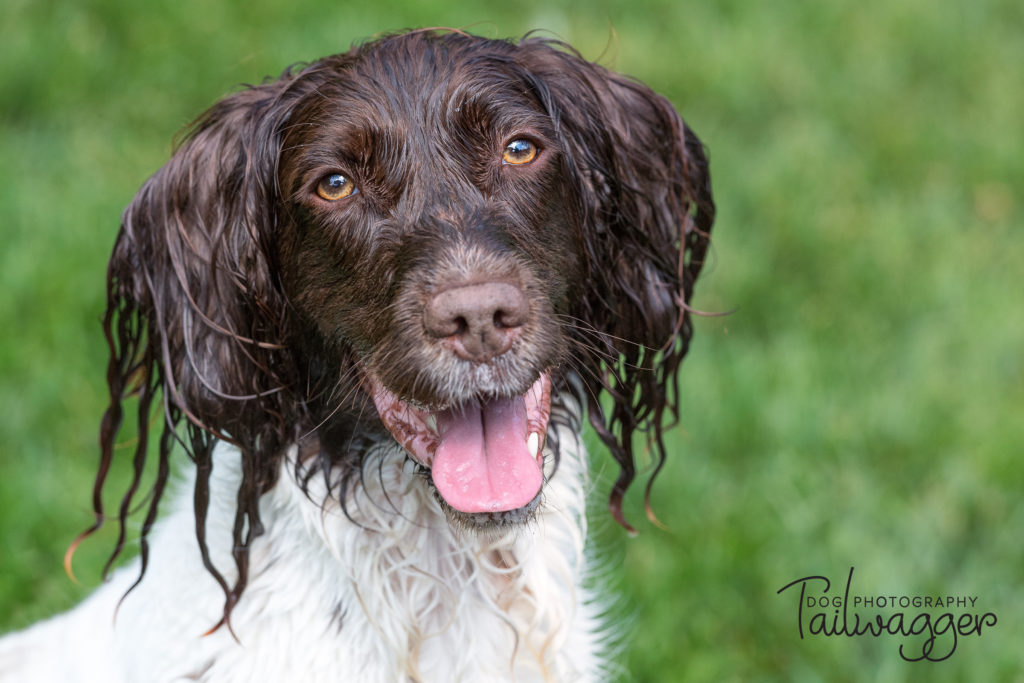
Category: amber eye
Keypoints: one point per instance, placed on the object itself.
(519, 152)
(334, 187)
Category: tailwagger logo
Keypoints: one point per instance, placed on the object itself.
(930, 625)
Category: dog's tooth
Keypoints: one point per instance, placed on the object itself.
(533, 444)
(432, 422)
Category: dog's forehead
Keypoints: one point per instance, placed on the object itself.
(395, 84)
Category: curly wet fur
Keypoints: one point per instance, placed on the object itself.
(248, 312)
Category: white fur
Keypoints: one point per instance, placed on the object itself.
(417, 599)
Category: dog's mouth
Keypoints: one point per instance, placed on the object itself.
(485, 456)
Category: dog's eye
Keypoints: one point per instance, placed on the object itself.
(519, 152)
(334, 187)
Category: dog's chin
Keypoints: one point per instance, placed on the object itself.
(489, 522)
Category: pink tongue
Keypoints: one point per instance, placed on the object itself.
(482, 463)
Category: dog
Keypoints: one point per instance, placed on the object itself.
(374, 301)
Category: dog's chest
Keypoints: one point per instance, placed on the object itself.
(395, 594)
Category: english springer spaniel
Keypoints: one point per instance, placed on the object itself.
(373, 301)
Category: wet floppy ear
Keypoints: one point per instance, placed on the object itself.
(195, 317)
(644, 211)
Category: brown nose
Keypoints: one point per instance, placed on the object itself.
(478, 321)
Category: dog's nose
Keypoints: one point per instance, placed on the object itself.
(478, 321)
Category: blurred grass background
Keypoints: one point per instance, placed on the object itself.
(863, 406)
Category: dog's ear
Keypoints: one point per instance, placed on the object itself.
(644, 212)
(195, 314)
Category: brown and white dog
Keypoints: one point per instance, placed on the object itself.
(374, 300)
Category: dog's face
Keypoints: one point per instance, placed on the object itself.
(423, 238)
(431, 238)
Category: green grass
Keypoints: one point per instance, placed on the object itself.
(862, 407)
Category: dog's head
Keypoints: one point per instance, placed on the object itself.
(438, 226)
